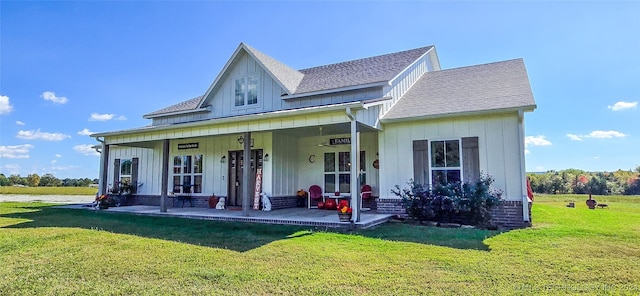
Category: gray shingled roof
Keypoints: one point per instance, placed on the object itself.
(182, 106)
(494, 86)
(358, 72)
(351, 73)
(289, 77)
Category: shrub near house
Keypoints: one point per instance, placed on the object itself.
(466, 203)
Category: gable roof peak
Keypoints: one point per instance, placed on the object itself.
(288, 77)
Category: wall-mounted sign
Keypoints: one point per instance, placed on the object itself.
(188, 146)
(340, 141)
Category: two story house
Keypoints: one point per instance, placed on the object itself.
(379, 121)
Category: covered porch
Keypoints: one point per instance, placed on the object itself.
(289, 216)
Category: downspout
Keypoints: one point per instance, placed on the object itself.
(101, 190)
(355, 166)
(523, 173)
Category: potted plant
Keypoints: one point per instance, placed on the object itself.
(103, 201)
(213, 201)
(344, 211)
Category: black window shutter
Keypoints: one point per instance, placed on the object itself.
(470, 159)
(116, 171)
(421, 162)
(134, 175)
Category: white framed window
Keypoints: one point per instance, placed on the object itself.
(337, 167)
(246, 91)
(125, 171)
(187, 173)
(445, 161)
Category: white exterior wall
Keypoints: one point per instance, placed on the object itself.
(215, 173)
(313, 173)
(498, 142)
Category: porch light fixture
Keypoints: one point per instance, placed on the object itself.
(223, 159)
(266, 157)
(241, 140)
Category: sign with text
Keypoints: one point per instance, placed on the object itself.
(187, 146)
(258, 190)
(340, 141)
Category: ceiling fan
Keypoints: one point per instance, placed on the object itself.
(322, 144)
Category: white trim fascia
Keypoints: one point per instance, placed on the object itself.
(528, 108)
(410, 65)
(375, 102)
(199, 110)
(248, 117)
(334, 90)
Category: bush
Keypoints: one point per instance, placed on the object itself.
(468, 203)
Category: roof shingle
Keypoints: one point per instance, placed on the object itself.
(493, 86)
(358, 72)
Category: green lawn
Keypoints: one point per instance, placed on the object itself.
(50, 251)
(48, 190)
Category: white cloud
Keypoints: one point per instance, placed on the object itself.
(623, 105)
(536, 141)
(85, 132)
(605, 134)
(54, 161)
(38, 135)
(63, 168)
(86, 150)
(51, 96)
(58, 155)
(597, 135)
(18, 122)
(18, 151)
(574, 137)
(526, 151)
(121, 117)
(101, 117)
(5, 105)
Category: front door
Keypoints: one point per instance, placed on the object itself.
(236, 164)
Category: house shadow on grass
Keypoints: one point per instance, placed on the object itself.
(459, 238)
(235, 236)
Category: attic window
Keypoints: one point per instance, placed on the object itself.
(246, 91)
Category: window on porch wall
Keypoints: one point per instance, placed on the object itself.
(187, 169)
(343, 173)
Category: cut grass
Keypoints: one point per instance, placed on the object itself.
(48, 190)
(46, 250)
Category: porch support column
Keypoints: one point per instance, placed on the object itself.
(165, 176)
(355, 167)
(246, 169)
(104, 168)
(523, 172)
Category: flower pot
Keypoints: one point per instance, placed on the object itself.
(213, 201)
(330, 204)
(344, 217)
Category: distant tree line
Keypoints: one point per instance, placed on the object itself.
(47, 180)
(580, 182)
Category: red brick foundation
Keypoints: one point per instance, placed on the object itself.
(507, 215)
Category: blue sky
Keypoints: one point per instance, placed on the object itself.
(72, 68)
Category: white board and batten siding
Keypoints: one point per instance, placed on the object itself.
(498, 143)
(270, 93)
(212, 148)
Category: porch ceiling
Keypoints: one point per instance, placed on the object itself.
(327, 130)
